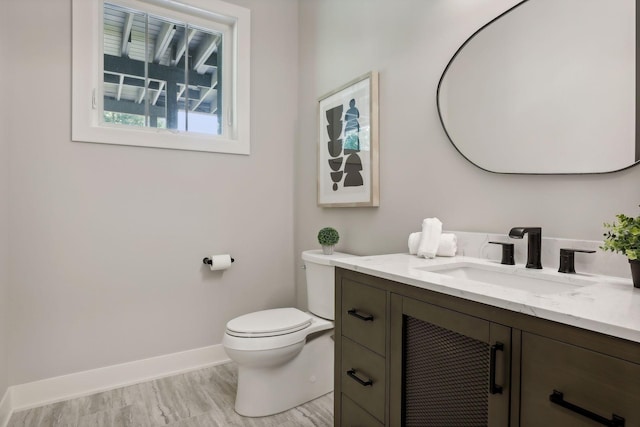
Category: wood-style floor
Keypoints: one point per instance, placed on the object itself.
(201, 398)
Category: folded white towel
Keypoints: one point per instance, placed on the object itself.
(448, 245)
(431, 231)
(414, 242)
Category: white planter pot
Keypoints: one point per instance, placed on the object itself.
(327, 250)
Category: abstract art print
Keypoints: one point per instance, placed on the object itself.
(348, 145)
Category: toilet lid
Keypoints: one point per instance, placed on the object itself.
(277, 321)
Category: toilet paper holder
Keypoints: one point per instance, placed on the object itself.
(208, 261)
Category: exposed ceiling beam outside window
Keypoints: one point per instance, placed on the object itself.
(157, 95)
(163, 40)
(205, 50)
(143, 91)
(126, 34)
(182, 45)
(120, 85)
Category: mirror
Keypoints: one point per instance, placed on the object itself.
(547, 87)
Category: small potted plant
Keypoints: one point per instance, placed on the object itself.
(623, 236)
(328, 237)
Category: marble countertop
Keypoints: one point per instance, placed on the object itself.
(604, 304)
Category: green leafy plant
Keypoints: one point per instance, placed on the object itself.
(328, 236)
(623, 236)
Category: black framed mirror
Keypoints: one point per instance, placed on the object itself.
(547, 87)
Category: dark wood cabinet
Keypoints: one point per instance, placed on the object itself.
(363, 377)
(455, 368)
(354, 416)
(361, 344)
(364, 315)
(566, 385)
(407, 356)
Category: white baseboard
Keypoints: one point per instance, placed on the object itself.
(51, 390)
(5, 408)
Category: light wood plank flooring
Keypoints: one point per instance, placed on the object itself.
(201, 398)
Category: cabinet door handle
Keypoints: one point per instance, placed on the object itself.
(366, 317)
(558, 398)
(493, 387)
(352, 374)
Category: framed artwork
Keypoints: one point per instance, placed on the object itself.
(348, 145)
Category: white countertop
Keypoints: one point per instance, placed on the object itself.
(604, 304)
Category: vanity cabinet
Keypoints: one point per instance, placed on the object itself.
(455, 367)
(354, 415)
(566, 385)
(361, 352)
(407, 356)
(364, 315)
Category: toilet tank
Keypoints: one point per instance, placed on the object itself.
(321, 282)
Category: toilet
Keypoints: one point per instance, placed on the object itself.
(285, 355)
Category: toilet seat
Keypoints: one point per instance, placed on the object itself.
(295, 333)
(269, 323)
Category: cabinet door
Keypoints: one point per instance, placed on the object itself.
(455, 368)
(565, 385)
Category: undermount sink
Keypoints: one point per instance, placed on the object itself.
(534, 281)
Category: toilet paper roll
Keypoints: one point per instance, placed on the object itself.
(220, 262)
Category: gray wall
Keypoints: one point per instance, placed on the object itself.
(108, 241)
(421, 174)
(4, 211)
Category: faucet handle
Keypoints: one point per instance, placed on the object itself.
(507, 253)
(567, 259)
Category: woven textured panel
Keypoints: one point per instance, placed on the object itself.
(446, 377)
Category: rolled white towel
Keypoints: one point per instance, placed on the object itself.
(414, 242)
(448, 245)
(431, 231)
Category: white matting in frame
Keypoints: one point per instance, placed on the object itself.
(348, 144)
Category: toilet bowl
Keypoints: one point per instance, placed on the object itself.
(285, 355)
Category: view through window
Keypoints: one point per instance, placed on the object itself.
(160, 73)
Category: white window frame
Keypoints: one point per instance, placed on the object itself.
(87, 68)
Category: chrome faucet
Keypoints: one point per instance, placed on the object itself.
(534, 244)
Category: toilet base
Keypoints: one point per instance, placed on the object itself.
(309, 375)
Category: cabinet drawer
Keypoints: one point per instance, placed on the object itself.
(355, 416)
(363, 377)
(364, 310)
(599, 384)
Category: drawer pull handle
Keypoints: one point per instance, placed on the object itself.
(493, 387)
(558, 398)
(352, 374)
(366, 317)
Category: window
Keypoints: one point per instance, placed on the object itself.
(161, 74)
